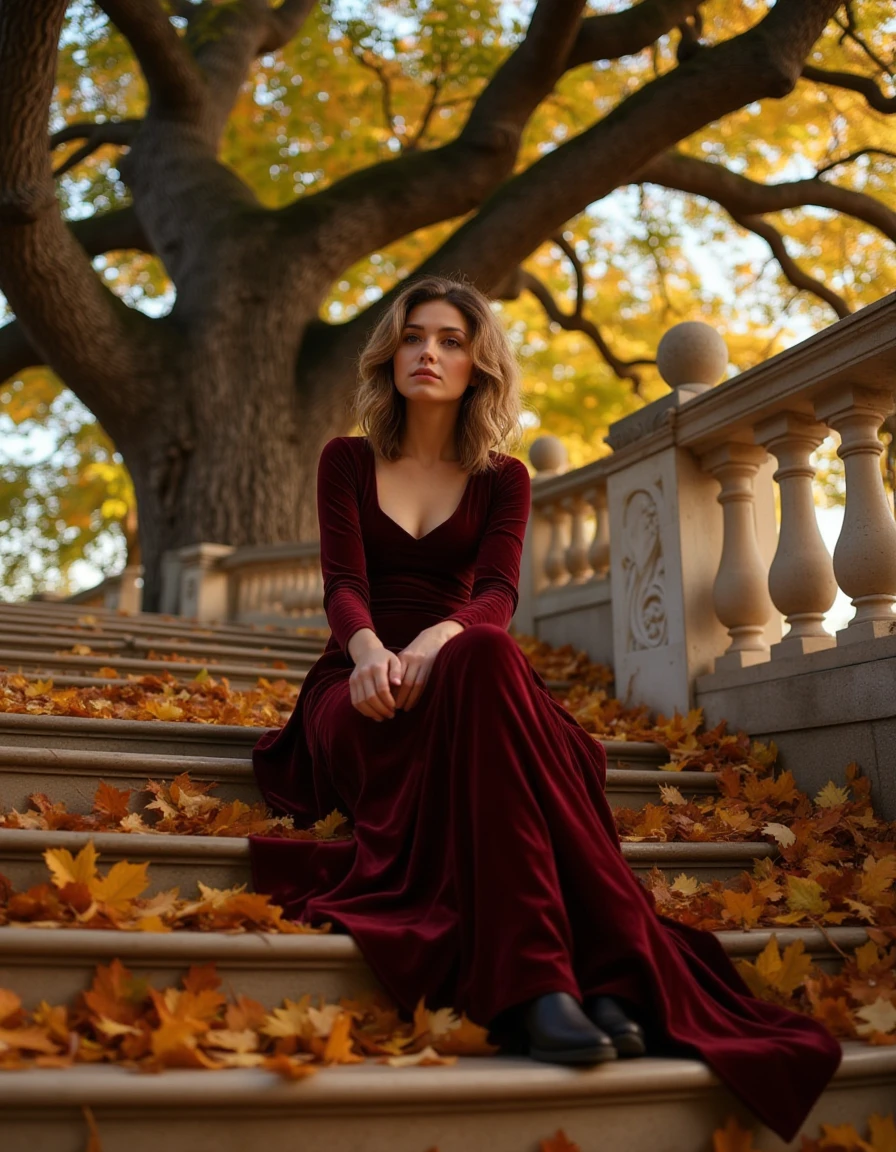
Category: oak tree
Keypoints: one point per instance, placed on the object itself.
(494, 138)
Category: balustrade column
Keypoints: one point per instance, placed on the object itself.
(740, 591)
(865, 555)
(577, 563)
(801, 577)
(204, 587)
(599, 553)
(555, 568)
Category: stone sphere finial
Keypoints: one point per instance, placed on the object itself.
(548, 454)
(692, 353)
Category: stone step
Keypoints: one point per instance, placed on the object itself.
(505, 1103)
(72, 776)
(150, 624)
(23, 637)
(223, 861)
(55, 964)
(41, 665)
(162, 737)
(172, 738)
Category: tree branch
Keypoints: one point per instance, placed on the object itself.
(854, 156)
(284, 22)
(16, 351)
(175, 86)
(764, 61)
(429, 111)
(740, 195)
(385, 85)
(616, 34)
(70, 319)
(797, 277)
(398, 196)
(850, 32)
(116, 231)
(855, 82)
(118, 132)
(576, 322)
(416, 189)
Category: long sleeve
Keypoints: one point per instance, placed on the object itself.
(495, 592)
(342, 560)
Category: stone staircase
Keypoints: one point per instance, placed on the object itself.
(510, 1102)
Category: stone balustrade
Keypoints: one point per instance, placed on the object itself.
(260, 584)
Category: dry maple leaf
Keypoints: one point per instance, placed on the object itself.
(559, 1142)
(112, 803)
(878, 1017)
(338, 1048)
(425, 1056)
(780, 832)
(30, 1040)
(831, 796)
(290, 1020)
(467, 1039)
(732, 1138)
(290, 1067)
(741, 908)
(67, 869)
(124, 883)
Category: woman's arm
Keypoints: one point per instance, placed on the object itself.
(495, 593)
(342, 560)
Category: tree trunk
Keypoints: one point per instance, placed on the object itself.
(229, 453)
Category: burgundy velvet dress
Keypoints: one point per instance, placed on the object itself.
(485, 867)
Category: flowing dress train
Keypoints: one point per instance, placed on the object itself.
(485, 866)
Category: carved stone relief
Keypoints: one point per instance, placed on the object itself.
(644, 569)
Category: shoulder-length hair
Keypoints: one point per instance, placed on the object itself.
(489, 414)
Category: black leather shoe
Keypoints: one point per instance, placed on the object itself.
(561, 1033)
(606, 1013)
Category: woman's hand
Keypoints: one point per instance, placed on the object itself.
(417, 658)
(369, 684)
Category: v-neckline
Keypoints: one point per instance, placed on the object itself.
(376, 500)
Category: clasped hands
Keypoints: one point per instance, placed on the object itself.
(383, 681)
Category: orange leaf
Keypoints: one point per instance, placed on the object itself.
(93, 1136)
(111, 802)
(289, 1066)
(732, 1138)
(338, 1048)
(559, 1142)
(28, 1040)
(10, 1007)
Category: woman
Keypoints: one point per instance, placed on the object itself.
(485, 871)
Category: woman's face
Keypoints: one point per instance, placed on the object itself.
(433, 361)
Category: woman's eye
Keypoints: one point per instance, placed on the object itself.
(451, 340)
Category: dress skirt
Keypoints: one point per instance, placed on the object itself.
(485, 867)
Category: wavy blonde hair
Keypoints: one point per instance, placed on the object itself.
(489, 414)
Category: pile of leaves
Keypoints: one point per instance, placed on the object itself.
(121, 1019)
(750, 805)
(856, 1003)
(881, 1137)
(78, 896)
(769, 895)
(202, 700)
(182, 807)
(563, 662)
